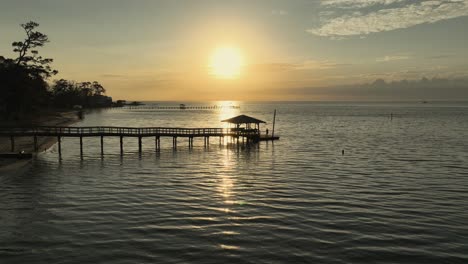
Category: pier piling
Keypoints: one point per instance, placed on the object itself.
(139, 145)
(102, 145)
(121, 145)
(157, 143)
(35, 144)
(174, 142)
(12, 141)
(59, 146)
(81, 147)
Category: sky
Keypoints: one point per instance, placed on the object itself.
(277, 50)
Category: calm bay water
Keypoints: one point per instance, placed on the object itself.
(398, 195)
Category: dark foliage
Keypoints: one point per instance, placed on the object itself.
(22, 91)
(23, 86)
(66, 94)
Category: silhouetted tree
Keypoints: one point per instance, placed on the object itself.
(98, 89)
(22, 80)
(28, 55)
(66, 94)
(21, 92)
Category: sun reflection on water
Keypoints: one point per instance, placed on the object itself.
(227, 110)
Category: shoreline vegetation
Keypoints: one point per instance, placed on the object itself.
(30, 98)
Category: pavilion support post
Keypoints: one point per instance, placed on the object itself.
(59, 146)
(12, 141)
(139, 145)
(102, 145)
(35, 144)
(121, 145)
(81, 146)
(208, 141)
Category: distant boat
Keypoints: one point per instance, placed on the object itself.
(424, 102)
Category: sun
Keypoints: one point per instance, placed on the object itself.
(226, 63)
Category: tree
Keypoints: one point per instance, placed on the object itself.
(97, 88)
(21, 92)
(28, 55)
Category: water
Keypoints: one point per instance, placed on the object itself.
(397, 195)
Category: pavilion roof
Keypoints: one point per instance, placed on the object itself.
(243, 119)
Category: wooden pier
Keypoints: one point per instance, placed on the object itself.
(235, 134)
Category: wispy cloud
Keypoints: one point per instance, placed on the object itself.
(392, 58)
(279, 12)
(113, 76)
(402, 14)
(440, 56)
(430, 88)
(305, 65)
(358, 3)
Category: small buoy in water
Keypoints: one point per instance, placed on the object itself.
(342, 152)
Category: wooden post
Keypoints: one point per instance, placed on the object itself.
(59, 146)
(35, 144)
(139, 144)
(121, 145)
(81, 146)
(274, 120)
(12, 140)
(102, 145)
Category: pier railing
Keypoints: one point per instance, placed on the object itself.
(123, 131)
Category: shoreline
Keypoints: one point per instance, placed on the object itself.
(26, 144)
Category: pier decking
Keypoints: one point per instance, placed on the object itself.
(248, 135)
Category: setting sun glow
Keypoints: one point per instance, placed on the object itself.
(226, 63)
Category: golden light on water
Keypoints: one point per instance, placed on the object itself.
(227, 111)
(226, 63)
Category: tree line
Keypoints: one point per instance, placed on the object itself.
(24, 86)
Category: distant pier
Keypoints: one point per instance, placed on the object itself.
(180, 107)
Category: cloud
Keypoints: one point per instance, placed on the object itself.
(279, 12)
(404, 15)
(112, 76)
(358, 3)
(440, 56)
(305, 65)
(392, 58)
(379, 89)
